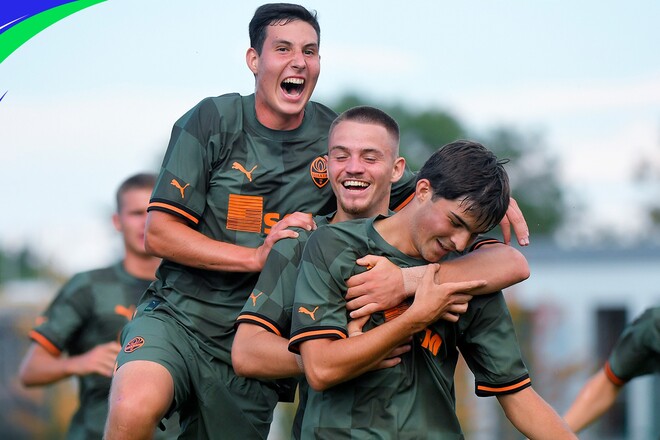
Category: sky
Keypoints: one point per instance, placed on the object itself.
(91, 99)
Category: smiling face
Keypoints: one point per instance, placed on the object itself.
(362, 164)
(439, 226)
(286, 73)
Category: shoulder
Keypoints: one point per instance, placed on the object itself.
(322, 112)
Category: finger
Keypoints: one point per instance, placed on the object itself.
(364, 311)
(356, 303)
(505, 226)
(461, 298)
(356, 325)
(399, 351)
(369, 260)
(451, 317)
(388, 363)
(457, 309)
(355, 280)
(517, 220)
(465, 286)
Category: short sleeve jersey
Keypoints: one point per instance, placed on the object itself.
(232, 179)
(89, 310)
(271, 300)
(637, 351)
(416, 397)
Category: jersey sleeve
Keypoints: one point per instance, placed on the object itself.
(637, 351)
(183, 181)
(271, 300)
(490, 347)
(64, 317)
(319, 308)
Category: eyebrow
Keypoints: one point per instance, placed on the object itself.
(361, 150)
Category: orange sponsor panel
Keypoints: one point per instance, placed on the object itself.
(244, 213)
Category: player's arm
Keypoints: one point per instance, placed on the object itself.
(170, 237)
(595, 397)
(258, 353)
(386, 285)
(328, 362)
(533, 417)
(40, 367)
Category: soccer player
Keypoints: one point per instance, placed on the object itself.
(363, 161)
(237, 172)
(462, 191)
(86, 317)
(636, 353)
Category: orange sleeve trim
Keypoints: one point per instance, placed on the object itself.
(315, 334)
(173, 209)
(485, 242)
(251, 319)
(404, 203)
(504, 389)
(45, 343)
(611, 376)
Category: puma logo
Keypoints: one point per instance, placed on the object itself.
(178, 185)
(239, 167)
(125, 311)
(254, 298)
(307, 312)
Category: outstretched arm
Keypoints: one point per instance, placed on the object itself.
(170, 237)
(533, 417)
(39, 367)
(386, 285)
(595, 397)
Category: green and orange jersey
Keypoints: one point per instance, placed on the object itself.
(415, 398)
(637, 351)
(91, 309)
(232, 179)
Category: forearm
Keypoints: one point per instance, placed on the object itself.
(533, 417)
(329, 362)
(41, 368)
(593, 400)
(168, 238)
(261, 354)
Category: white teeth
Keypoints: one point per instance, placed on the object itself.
(350, 183)
(294, 81)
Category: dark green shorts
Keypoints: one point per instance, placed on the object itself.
(212, 401)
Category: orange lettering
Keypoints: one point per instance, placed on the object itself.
(432, 342)
(269, 220)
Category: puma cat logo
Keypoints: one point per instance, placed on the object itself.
(239, 167)
(254, 298)
(307, 312)
(178, 185)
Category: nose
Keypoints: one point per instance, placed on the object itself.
(354, 165)
(298, 60)
(461, 239)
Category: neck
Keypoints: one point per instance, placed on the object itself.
(141, 266)
(395, 230)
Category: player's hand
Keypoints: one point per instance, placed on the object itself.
(280, 230)
(434, 299)
(355, 328)
(514, 217)
(379, 288)
(99, 360)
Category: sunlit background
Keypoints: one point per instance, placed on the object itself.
(570, 91)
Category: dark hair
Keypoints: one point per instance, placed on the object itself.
(368, 115)
(467, 170)
(136, 181)
(278, 13)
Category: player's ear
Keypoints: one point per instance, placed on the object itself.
(399, 167)
(423, 190)
(116, 222)
(252, 60)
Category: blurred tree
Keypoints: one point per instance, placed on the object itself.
(532, 171)
(647, 174)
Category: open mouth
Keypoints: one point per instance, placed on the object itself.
(355, 185)
(293, 86)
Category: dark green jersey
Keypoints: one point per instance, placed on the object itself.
(232, 179)
(414, 399)
(89, 310)
(271, 300)
(637, 351)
